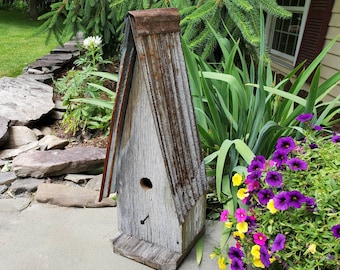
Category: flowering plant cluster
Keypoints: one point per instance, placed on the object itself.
(93, 54)
(289, 214)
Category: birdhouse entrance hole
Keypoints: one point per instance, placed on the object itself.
(146, 183)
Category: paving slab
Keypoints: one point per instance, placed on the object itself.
(46, 237)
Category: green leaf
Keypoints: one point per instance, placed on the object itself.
(199, 250)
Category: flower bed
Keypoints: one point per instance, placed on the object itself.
(289, 216)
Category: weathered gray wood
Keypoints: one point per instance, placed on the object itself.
(154, 160)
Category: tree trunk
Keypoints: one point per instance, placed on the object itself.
(33, 4)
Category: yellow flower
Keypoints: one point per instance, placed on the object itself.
(212, 256)
(237, 179)
(221, 263)
(311, 249)
(242, 227)
(255, 251)
(257, 262)
(238, 234)
(272, 259)
(271, 207)
(242, 193)
(228, 224)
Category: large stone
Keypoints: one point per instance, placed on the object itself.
(6, 178)
(26, 185)
(11, 153)
(39, 164)
(95, 183)
(50, 142)
(24, 100)
(11, 205)
(62, 195)
(19, 136)
(4, 134)
(78, 178)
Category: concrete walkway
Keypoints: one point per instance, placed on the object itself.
(45, 237)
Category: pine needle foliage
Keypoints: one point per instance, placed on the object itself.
(105, 18)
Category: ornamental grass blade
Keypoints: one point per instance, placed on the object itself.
(217, 132)
(221, 160)
(199, 250)
(104, 89)
(106, 75)
(325, 87)
(194, 81)
(312, 94)
(96, 102)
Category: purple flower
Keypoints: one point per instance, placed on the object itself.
(274, 179)
(285, 144)
(255, 165)
(279, 242)
(236, 264)
(235, 253)
(241, 215)
(336, 230)
(296, 164)
(335, 138)
(310, 203)
(251, 223)
(317, 128)
(280, 157)
(304, 117)
(265, 195)
(281, 200)
(261, 159)
(313, 146)
(253, 176)
(264, 256)
(295, 199)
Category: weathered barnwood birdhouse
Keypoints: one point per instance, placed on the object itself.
(154, 159)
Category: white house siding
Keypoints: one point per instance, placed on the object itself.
(331, 62)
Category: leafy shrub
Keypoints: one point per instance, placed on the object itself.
(89, 103)
(241, 110)
(105, 18)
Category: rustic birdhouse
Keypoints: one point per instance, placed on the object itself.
(154, 159)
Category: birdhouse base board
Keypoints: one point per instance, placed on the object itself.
(147, 253)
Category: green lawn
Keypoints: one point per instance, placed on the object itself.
(18, 46)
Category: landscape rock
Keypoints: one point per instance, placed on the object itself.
(11, 153)
(46, 131)
(50, 142)
(17, 205)
(26, 185)
(95, 183)
(38, 133)
(62, 195)
(6, 178)
(19, 136)
(39, 164)
(78, 178)
(3, 189)
(59, 106)
(4, 134)
(24, 100)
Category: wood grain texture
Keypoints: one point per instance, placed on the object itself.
(154, 159)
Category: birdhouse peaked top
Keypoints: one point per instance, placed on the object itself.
(152, 52)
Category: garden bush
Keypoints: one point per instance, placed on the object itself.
(289, 217)
(89, 104)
